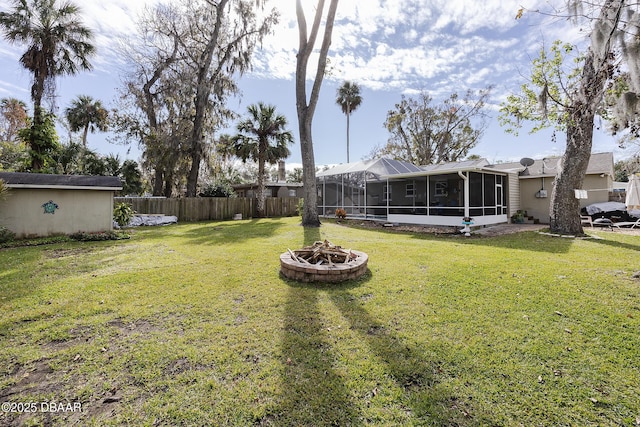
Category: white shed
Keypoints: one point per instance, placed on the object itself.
(44, 205)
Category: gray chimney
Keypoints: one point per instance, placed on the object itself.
(282, 176)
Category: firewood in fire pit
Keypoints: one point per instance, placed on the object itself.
(322, 253)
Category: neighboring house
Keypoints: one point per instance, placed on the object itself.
(444, 194)
(280, 188)
(272, 189)
(45, 205)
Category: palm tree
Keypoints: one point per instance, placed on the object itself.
(262, 138)
(86, 114)
(68, 159)
(349, 100)
(58, 44)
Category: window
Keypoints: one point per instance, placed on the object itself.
(475, 190)
(489, 190)
(411, 191)
(441, 188)
(386, 193)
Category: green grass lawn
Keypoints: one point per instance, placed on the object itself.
(192, 325)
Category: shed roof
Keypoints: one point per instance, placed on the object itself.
(71, 182)
(379, 167)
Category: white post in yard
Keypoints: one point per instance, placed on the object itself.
(466, 221)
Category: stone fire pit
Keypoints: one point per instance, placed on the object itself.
(323, 262)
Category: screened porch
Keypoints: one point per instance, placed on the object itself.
(434, 195)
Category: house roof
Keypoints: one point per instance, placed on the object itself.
(447, 168)
(456, 166)
(379, 167)
(72, 182)
(267, 184)
(599, 163)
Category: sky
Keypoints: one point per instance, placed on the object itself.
(388, 48)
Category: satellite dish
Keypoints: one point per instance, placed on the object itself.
(526, 162)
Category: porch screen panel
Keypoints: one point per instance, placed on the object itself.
(446, 196)
(320, 187)
(398, 201)
(354, 193)
(376, 205)
(503, 202)
(476, 198)
(420, 197)
(333, 193)
(489, 194)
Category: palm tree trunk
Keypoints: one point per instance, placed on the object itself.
(261, 188)
(84, 135)
(348, 134)
(37, 89)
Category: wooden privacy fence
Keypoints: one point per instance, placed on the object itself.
(210, 208)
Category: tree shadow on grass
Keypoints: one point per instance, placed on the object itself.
(525, 240)
(311, 235)
(618, 245)
(412, 367)
(231, 231)
(313, 393)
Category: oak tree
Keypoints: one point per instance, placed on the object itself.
(609, 68)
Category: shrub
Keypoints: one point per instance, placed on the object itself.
(518, 217)
(217, 190)
(122, 214)
(300, 206)
(6, 235)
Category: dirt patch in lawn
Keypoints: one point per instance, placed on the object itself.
(56, 380)
(45, 396)
(62, 253)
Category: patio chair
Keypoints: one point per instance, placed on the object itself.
(586, 219)
(603, 222)
(630, 224)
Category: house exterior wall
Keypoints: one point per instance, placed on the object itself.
(78, 210)
(513, 194)
(597, 190)
(537, 207)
